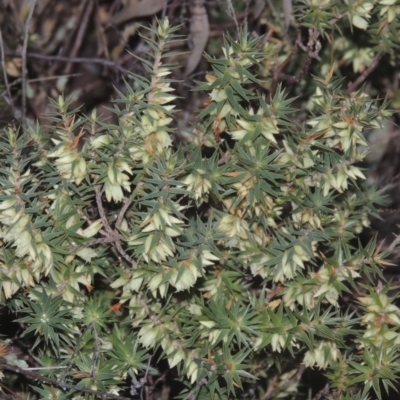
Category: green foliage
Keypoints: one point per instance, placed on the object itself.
(235, 258)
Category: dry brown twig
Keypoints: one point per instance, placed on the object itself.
(63, 385)
(102, 213)
(24, 55)
(354, 85)
(274, 391)
(232, 14)
(246, 10)
(6, 83)
(81, 32)
(192, 393)
(164, 10)
(312, 50)
(69, 38)
(322, 393)
(14, 395)
(78, 60)
(395, 242)
(111, 233)
(280, 67)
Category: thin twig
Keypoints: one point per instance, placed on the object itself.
(323, 392)
(394, 243)
(312, 49)
(68, 40)
(352, 86)
(3, 66)
(81, 32)
(274, 391)
(233, 14)
(15, 395)
(124, 254)
(122, 212)
(77, 60)
(100, 27)
(245, 21)
(63, 385)
(44, 78)
(164, 10)
(102, 213)
(313, 45)
(71, 360)
(113, 234)
(96, 352)
(338, 18)
(106, 239)
(24, 55)
(280, 67)
(281, 23)
(191, 394)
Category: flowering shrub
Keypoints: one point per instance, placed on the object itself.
(235, 257)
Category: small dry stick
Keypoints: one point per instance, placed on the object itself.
(354, 85)
(322, 393)
(338, 18)
(191, 395)
(274, 391)
(3, 66)
(110, 232)
(47, 78)
(124, 254)
(164, 10)
(96, 352)
(102, 213)
(71, 360)
(68, 41)
(280, 67)
(78, 60)
(15, 395)
(394, 243)
(81, 31)
(24, 51)
(107, 239)
(63, 385)
(245, 21)
(233, 14)
(122, 212)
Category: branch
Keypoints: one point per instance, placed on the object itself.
(106, 239)
(71, 360)
(23, 55)
(124, 254)
(394, 243)
(323, 392)
(232, 14)
(121, 214)
(273, 392)
(78, 60)
(102, 213)
(62, 385)
(3, 67)
(312, 49)
(352, 86)
(280, 67)
(15, 395)
(338, 18)
(191, 394)
(164, 10)
(81, 32)
(113, 234)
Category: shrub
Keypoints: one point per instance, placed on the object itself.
(236, 257)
